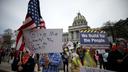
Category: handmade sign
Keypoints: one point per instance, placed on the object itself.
(44, 40)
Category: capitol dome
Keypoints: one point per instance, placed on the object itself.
(79, 20)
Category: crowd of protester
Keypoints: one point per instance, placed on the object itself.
(113, 59)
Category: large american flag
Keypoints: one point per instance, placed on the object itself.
(33, 20)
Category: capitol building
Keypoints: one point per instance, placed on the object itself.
(78, 24)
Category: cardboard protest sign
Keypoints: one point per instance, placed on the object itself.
(44, 40)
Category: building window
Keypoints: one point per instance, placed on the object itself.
(77, 34)
(72, 35)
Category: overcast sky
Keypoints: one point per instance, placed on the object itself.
(61, 13)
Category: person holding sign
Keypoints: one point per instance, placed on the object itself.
(50, 62)
(26, 64)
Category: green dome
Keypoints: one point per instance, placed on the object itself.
(79, 20)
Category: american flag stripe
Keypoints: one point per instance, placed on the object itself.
(19, 45)
(32, 20)
(19, 37)
(27, 21)
(19, 40)
(28, 24)
(22, 47)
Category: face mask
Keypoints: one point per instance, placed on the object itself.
(81, 55)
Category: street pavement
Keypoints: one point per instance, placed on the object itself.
(3, 71)
(6, 67)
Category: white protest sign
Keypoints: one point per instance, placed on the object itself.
(44, 40)
(70, 45)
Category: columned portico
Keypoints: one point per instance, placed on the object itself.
(78, 24)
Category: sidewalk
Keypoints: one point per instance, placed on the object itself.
(4, 66)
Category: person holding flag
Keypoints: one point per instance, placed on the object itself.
(50, 61)
(33, 20)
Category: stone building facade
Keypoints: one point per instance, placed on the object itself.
(74, 30)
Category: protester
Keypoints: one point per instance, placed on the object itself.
(14, 64)
(65, 58)
(96, 58)
(81, 59)
(0, 55)
(50, 62)
(12, 53)
(26, 63)
(125, 61)
(100, 60)
(117, 57)
(75, 67)
(37, 66)
(105, 61)
(89, 59)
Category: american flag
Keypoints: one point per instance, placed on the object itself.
(33, 19)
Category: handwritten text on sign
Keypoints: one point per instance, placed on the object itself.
(44, 40)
